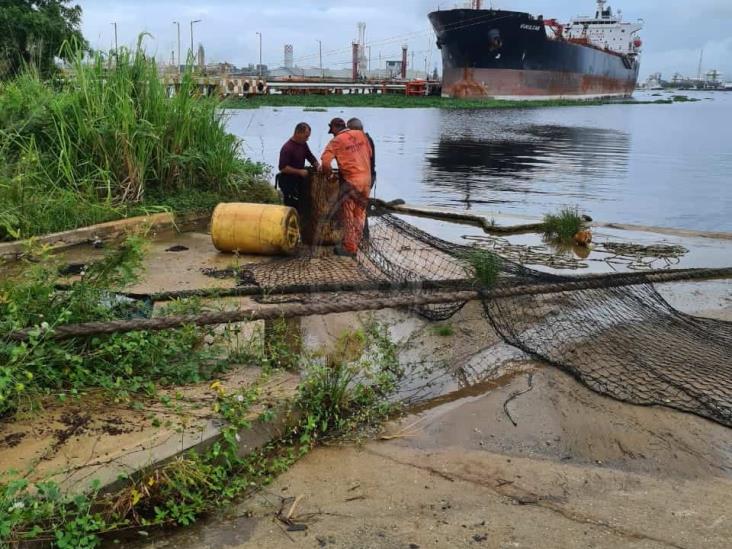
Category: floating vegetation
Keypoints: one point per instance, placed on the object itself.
(635, 257)
(684, 99)
(313, 103)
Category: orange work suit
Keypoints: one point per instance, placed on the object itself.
(352, 152)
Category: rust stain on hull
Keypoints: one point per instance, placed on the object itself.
(482, 83)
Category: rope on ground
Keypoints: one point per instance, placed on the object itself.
(515, 395)
(342, 304)
(375, 285)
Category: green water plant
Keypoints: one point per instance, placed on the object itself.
(563, 225)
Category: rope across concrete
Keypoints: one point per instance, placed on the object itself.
(354, 303)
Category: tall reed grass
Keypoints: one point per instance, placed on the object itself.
(107, 141)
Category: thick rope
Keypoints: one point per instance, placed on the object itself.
(376, 285)
(343, 304)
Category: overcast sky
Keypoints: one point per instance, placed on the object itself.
(675, 31)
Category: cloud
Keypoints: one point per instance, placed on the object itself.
(717, 55)
(675, 31)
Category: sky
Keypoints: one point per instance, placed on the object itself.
(675, 30)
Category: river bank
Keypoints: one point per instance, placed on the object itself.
(496, 451)
(461, 475)
(441, 363)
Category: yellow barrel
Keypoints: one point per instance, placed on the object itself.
(255, 228)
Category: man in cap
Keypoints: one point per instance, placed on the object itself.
(356, 124)
(292, 165)
(351, 150)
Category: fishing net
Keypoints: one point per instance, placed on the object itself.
(626, 342)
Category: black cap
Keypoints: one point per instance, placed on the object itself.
(336, 125)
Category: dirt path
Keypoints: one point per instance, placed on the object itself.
(578, 470)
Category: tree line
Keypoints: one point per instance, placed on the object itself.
(33, 33)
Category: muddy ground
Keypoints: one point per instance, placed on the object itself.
(499, 452)
(578, 470)
(485, 458)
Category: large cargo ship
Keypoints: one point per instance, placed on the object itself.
(515, 55)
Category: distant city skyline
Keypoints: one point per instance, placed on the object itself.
(675, 31)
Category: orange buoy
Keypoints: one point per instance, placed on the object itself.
(583, 238)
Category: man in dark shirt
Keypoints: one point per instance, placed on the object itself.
(292, 165)
(356, 124)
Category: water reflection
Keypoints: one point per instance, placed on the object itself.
(531, 159)
(665, 165)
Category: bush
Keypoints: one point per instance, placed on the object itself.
(563, 225)
(121, 364)
(105, 140)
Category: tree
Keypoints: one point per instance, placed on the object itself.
(32, 32)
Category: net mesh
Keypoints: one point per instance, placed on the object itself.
(624, 342)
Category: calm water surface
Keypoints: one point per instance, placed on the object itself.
(665, 165)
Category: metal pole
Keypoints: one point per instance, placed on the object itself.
(320, 53)
(260, 54)
(178, 24)
(192, 22)
(116, 46)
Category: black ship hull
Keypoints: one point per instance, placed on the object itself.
(508, 55)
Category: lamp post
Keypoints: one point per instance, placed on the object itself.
(178, 24)
(116, 47)
(192, 22)
(260, 54)
(320, 52)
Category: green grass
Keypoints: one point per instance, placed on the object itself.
(402, 101)
(486, 266)
(107, 142)
(563, 225)
(443, 330)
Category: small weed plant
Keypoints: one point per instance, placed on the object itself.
(562, 226)
(119, 364)
(444, 330)
(342, 391)
(350, 387)
(486, 266)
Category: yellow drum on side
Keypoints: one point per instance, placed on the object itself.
(255, 228)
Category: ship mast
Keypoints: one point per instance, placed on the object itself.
(476, 4)
(600, 9)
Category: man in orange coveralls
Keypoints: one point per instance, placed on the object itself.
(352, 152)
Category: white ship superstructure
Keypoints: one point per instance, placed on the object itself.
(606, 30)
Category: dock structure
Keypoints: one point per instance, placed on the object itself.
(244, 86)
